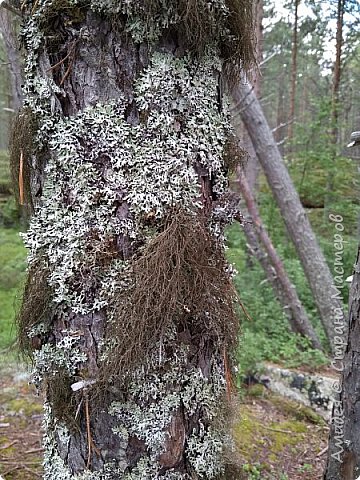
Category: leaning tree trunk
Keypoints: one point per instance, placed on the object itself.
(128, 310)
(283, 288)
(325, 293)
(344, 442)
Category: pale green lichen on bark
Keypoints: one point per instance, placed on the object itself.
(150, 166)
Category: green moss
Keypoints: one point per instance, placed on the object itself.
(24, 406)
(257, 391)
(247, 434)
(299, 412)
(285, 434)
(7, 451)
(252, 435)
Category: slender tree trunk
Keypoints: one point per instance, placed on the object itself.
(293, 74)
(8, 30)
(259, 17)
(128, 311)
(281, 119)
(288, 297)
(335, 103)
(269, 260)
(252, 168)
(337, 70)
(343, 461)
(297, 223)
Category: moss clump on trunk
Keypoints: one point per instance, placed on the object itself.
(35, 310)
(64, 403)
(22, 147)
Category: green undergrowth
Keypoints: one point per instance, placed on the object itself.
(267, 336)
(5, 177)
(12, 268)
(24, 406)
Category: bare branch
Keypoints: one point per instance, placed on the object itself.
(269, 57)
(281, 125)
(282, 141)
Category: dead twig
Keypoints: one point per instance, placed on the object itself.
(8, 445)
(70, 55)
(228, 377)
(324, 450)
(16, 462)
(281, 431)
(34, 7)
(11, 469)
(24, 467)
(88, 431)
(21, 178)
(35, 450)
(60, 61)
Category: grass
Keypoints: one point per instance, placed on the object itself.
(12, 268)
(5, 177)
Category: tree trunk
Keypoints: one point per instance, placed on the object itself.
(8, 31)
(252, 167)
(343, 461)
(259, 17)
(335, 104)
(297, 223)
(284, 290)
(337, 70)
(281, 118)
(128, 310)
(293, 74)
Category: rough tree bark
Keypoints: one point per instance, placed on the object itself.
(128, 310)
(284, 290)
(297, 223)
(343, 461)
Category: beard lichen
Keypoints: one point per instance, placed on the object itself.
(192, 285)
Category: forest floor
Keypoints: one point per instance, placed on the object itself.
(20, 426)
(276, 439)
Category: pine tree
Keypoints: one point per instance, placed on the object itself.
(128, 310)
